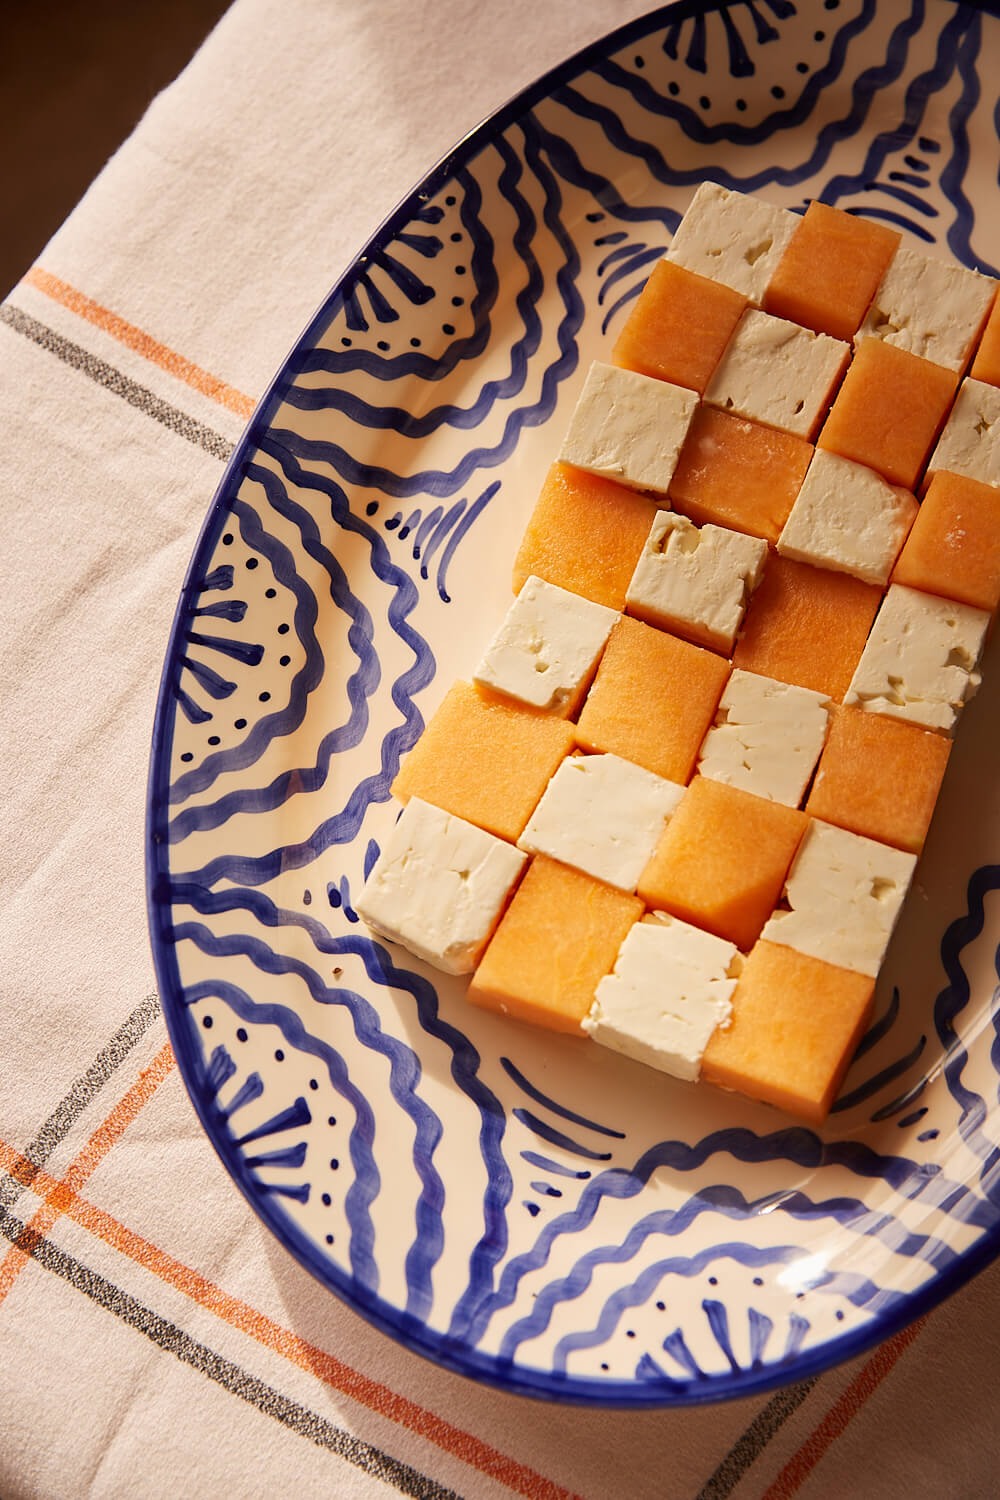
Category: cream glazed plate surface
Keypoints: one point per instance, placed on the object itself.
(528, 1209)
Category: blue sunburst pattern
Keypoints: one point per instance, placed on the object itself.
(510, 1204)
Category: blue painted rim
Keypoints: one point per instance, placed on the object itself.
(181, 1029)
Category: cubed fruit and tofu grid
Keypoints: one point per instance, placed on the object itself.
(679, 804)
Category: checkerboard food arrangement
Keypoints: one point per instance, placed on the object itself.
(158, 1337)
(678, 806)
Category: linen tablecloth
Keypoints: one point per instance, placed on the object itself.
(154, 1339)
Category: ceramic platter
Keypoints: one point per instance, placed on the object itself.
(527, 1209)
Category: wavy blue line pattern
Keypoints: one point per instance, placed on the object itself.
(877, 1083)
(535, 1093)
(794, 115)
(637, 1243)
(880, 1028)
(423, 424)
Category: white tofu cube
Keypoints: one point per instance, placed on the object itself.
(670, 989)
(970, 442)
(845, 893)
(602, 815)
(775, 372)
(733, 238)
(767, 737)
(547, 648)
(439, 887)
(629, 427)
(848, 518)
(921, 659)
(930, 307)
(695, 580)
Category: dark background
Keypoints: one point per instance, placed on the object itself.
(75, 78)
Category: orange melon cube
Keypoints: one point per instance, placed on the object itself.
(879, 777)
(795, 1026)
(585, 535)
(558, 938)
(485, 759)
(722, 860)
(679, 326)
(830, 271)
(738, 474)
(652, 700)
(807, 626)
(954, 546)
(986, 364)
(889, 411)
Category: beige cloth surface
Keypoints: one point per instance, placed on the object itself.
(155, 1340)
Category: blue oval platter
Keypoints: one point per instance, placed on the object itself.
(525, 1209)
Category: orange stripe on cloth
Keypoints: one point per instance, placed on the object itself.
(842, 1412)
(142, 343)
(58, 1195)
(308, 1357)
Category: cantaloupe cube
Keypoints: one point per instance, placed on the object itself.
(807, 626)
(830, 271)
(722, 860)
(879, 777)
(738, 474)
(585, 535)
(954, 546)
(795, 1026)
(558, 938)
(889, 410)
(986, 364)
(679, 326)
(652, 700)
(485, 759)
